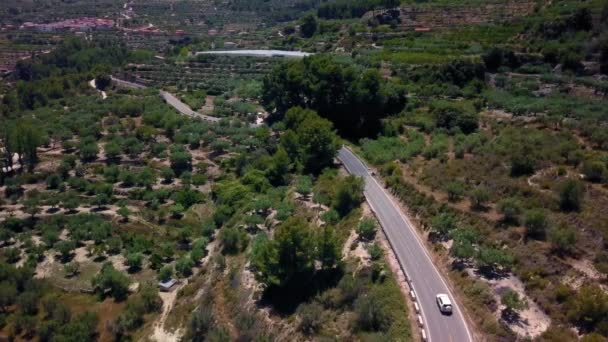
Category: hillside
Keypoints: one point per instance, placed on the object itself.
(149, 191)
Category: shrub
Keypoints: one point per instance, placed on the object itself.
(111, 282)
(512, 302)
(479, 196)
(134, 261)
(234, 240)
(375, 251)
(562, 239)
(184, 266)
(510, 208)
(367, 229)
(570, 195)
(589, 307)
(455, 190)
(311, 318)
(349, 194)
(595, 171)
(536, 223)
(165, 273)
(370, 315)
(444, 223)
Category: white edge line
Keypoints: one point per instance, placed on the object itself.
(403, 269)
(418, 239)
(420, 243)
(411, 284)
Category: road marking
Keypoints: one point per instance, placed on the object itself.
(412, 230)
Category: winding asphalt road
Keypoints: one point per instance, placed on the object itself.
(170, 99)
(413, 257)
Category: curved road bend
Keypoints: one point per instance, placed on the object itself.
(170, 99)
(413, 257)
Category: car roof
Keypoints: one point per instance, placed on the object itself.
(444, 297)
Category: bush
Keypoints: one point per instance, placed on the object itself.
(589, 307)
(349, 194)
(512, 302)
(375, 251)
(562, 239)
(234, 240)
(479, 196)
(570, 195)
(595, 171)
(134, 261)
(370, 315)
(184, 266)
(451, 116)
(536, 223)
(311, 318)
(455, 190)
(111, 282)
(510, 208)
(444, 223)
(367, 229)
(165, 273)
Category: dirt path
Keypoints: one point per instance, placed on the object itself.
(160, 334)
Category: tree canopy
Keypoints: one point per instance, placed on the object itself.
(354, 99)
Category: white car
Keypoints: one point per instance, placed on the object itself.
(444, 303)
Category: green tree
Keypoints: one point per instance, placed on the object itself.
(103, 81)
(510, 208)
(181, 160)
(65, 249)
(167, 174)
(311, 317)
(444, 223)
(88, 151)
(512, 302)
(183, 266)
(111, 282)
(489, 259)
(8, 293)
(451, 116)
(291, 252)
(367, 229)
(32, 204)
(370, 314)
(112, 150)
(177, 210)
(53, 181)
(308, 25)
(589, 307)
(70, 201)
(571, 195)
(279, 167)
(354, 100)
(562, 239)
(234, 240)
(328, 247)
(480, 196)
(101, 199)
(27, 138)
(304, 185)
(455, 190)
(349, 194)
(124, 212)
(318, 144)
(536, 223)
(134, 261)
(595, 171)
(463, 245)
(165, 273)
